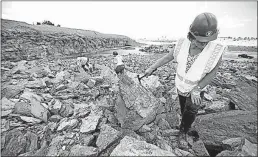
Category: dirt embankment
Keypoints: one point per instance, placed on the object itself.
(22, 41)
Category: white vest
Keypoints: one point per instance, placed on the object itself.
(118, 60)
(203, 64)
(82, 60)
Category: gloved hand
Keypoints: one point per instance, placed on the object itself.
(149, 71)
(196, 96)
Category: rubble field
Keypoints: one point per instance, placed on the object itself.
(54, 108)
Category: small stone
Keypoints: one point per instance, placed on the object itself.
(78, 150)
(89, 123)
(7, 104)
(66, 110)
(170, 132)
(106, 137)
(52, 126)
(207, 97)
(69, 135)
(67, 124)
(15, 143)
(91, 83)
(199, 148)
(87, 139)
(98, 79)
(163, 144)
(232, 143)
(32, 141)
(145, 128)
(22, 108)
(55, 118)
(129, 146)
(218, 106)
(61, 87)
(38, 110)
(30, 119)
(36, 84)
(55, 106)
(180, 152)
(163, 124)
(28, 95)
(163, 100)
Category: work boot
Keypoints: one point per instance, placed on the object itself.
(182, 142)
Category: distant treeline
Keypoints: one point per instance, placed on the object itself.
(46, 22)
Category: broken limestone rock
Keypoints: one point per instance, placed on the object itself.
(67, 109)
(87, 139)
(232, 143)
(81, 110)
(78, 150)
(218, 106)
(163, 124)
(199, 148)
(107, 136)
(30, 119)
(32, 141)
(91, 83)
(180, 152)
(7, 106)
(216, 127)
(245, 95)
(132, 147)
(239, 146)
(22, 108)
(55, 146)
(98, 79)
(170, 132)
(55, 118)
(136, 105)
(36, 84)
(163, 144)
(144, 129)
(38, 110)
(249, 149)
(89, 123)
(67, 124)
(11, 91)
(27, 95)
(15, 143)
(55, 106)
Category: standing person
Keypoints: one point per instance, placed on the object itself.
(118, 60)
(198, 58)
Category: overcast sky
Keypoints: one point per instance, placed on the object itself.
(145, 19)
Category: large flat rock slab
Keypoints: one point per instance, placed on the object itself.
(214, 128)
(244, 96)
(132, 147)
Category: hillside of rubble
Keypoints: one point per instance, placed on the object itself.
(22, 41)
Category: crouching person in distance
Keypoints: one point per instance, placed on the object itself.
(119, 64)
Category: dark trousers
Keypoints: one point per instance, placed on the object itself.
(119, 69)
(188, 111)
(85, 69)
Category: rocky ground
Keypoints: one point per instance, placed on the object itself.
(53, 108)
(157, 48)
